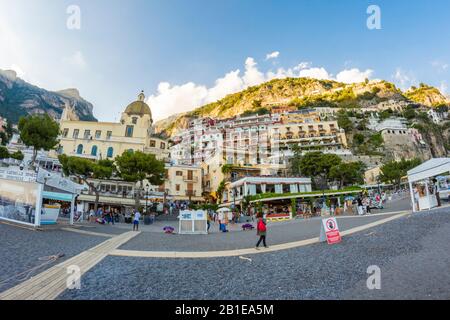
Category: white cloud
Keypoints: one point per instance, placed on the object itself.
(404, 79)
(77, 60)
(273, 55)
(171, 99)
(316, 73)
(353, 75)
(443, 88)
(440, 66)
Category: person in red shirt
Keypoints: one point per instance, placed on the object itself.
(261, 231)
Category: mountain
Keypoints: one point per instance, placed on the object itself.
(19, 98)
(303, 93)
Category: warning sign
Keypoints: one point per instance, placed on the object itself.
(329, 231)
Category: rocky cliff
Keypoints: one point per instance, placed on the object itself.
(19, 98)
(302, 93)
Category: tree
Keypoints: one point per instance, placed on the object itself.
(40, 132)
(348, 173)
(137, 167)
(4, 153)
(393, 171)
(344, 121)
(85, 170)
(316, 165)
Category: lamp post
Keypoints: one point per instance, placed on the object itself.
(146, 197)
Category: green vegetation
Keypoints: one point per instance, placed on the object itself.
(5, 154)
(6, 134)
(393, 171)
(85, 169)
(368, 144)
(344, 121)
(264, 196)
(424, 94)
(40, 132)
(325, 168)
(137, 167)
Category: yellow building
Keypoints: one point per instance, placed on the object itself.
(183, 182)
(106, 140)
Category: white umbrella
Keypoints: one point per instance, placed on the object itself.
(223, 210)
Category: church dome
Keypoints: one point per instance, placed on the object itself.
(139, 107)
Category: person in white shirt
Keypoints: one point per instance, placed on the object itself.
(137, 216)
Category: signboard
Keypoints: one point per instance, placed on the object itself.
(329, 231)
(193, 222)
(19, 201)
(14, 173)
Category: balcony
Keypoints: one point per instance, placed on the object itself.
(190, 179)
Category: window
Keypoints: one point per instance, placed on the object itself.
(108, 135)
(152, 143)
(179, 173)
(94, 151)
(177, 187)
(87, 133)
(65, 133)
(98, 134)
(134, 120)
(129, 131)
(80, 149)
(76, 132)
(163, 145)
(110, 152)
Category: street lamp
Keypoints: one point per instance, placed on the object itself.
(146, 197)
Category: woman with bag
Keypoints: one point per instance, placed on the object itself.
(261, 231)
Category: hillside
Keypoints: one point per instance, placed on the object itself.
(302, 93)
(19, 98)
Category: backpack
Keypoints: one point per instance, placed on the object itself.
(261, 226)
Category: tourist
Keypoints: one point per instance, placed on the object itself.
(261, 231)
(367, 204)
(91, 215)
(208, 220)
(360, 206)
(137, 216)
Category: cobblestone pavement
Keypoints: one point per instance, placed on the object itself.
(21, 249)
(412, 253)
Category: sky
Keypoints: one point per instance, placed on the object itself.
(186, 53)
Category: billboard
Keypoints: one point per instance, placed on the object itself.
(18, 200)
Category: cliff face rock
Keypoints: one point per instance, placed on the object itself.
(302, 93)
(19, 98)
(427, 95)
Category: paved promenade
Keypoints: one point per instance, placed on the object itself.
(226, 264)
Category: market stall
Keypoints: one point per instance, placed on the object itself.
(423, 195)
(25, 193)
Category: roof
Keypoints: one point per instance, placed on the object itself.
(430, 168)
(138, 108)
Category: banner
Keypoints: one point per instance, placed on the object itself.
(18, 200)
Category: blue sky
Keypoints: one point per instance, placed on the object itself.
(186, 53)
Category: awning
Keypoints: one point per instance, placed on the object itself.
(57, 196)
(428, 169)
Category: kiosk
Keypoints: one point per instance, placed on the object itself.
(24, 191)
(193, 222)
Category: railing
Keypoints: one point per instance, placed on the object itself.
(190, 179)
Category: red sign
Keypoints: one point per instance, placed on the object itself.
(331, 229)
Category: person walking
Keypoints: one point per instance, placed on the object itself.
(261, 231)
(360, 206)
(137, 216)
(208, 221)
